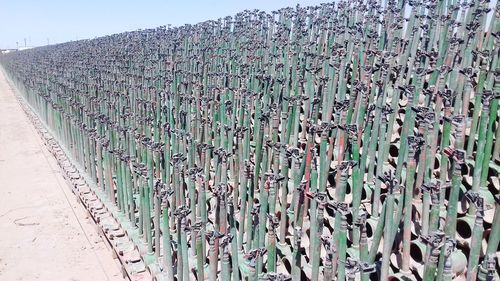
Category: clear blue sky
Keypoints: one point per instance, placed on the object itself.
(64, 20)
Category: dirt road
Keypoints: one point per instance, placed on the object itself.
(44, 234)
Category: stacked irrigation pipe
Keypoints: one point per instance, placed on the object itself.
(345, 141)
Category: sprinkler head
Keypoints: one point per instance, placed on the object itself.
(251, 257)
(354, 266)
(449, 245)
(273, 221)
(182, 212)
(341, 207)
(226, 240)
(435, 240)
(457, 154)
(390, 181)
(273, 276)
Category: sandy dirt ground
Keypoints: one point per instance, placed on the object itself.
(44, 232)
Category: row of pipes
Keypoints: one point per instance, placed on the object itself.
(350, 140)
